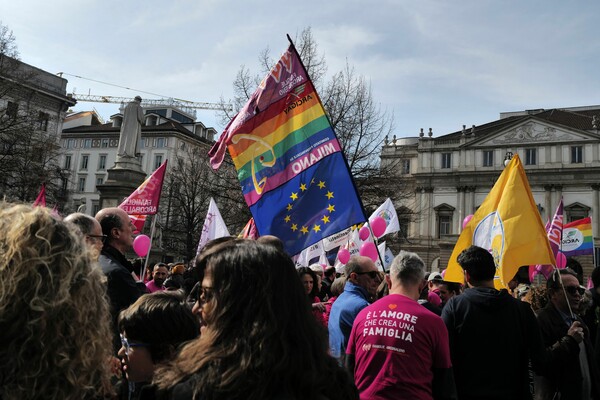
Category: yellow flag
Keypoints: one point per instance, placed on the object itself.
(508, 225)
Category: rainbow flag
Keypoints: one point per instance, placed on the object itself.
(293, 173)
(577, 238)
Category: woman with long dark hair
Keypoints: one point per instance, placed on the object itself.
(259, 340)
(309, 279)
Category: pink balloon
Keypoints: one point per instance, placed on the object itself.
(369, 249)
(467, 220)
(344, 256)
(378, 225)
(141, 245)
(561, 260)
(363, 233)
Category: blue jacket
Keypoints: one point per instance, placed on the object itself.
(343, 312)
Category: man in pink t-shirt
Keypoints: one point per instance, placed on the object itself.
(398, 349)
(159, 275)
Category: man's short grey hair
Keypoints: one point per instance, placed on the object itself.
(352, 266)
(408, 268)
(84, 222)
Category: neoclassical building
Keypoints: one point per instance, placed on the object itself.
(451, 175)
(90, 147)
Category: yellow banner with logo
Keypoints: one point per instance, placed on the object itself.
(508, 225)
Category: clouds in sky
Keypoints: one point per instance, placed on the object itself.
(435, 64)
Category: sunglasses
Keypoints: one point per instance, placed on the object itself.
(128, 345)
(372, 274)
(101, 237)
(572, 290)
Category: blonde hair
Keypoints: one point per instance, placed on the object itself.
(54, 317)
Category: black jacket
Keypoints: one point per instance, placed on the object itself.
(492, 339)
(564, 374)
(121, 287)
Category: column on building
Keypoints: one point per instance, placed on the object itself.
(470, 200)
(429, 217)
(557, 196)
(423, 220)
(460, 194)
(596, 209)
(548, 202)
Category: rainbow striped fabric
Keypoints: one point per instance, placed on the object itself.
(577, 238)
(293, 174)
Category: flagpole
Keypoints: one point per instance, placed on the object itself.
(149, 248)
(362, 206)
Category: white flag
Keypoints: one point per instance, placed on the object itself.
(386, 255)
(214, 227)
(388, 213)
(308, 254)
(336, 240)
(324, 261)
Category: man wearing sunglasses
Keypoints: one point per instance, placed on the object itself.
(577, 375)
(362, 280)
(91, 230)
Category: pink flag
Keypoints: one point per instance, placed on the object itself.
(41, 198)
(555, 232)
(144, 200)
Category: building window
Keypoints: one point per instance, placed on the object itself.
(12, 109)
(87, 143)
(445, 225)
(488, 158)
(67, 164)
(64, 185)
(81, 184)
(84, 162)
(99, 180)
(576, 211)
(160, 142)
(158, 160)
(576, 154)
(102, 162)
(446, 160)
(140, 158)
(444, 215)
(406, 167)
(530, 156)
(43, 121)
(104, 143)
(70, 144)
(95, 207)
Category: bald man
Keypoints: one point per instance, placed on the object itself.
(90, 228)
(122, 289)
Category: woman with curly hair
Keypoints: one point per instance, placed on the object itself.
(260, 340)
(54, 318)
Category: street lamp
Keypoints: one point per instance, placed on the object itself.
(508, 157)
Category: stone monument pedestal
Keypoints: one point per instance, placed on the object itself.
(122, 180)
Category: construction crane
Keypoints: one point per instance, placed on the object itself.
(185, 105)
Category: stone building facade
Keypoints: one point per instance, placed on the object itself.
(451, 175)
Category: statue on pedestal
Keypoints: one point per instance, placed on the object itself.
(131, 129)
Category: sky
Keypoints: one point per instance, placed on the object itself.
(431, 64)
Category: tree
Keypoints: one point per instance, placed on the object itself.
(190, 184)
(29, 149)
(360, 124)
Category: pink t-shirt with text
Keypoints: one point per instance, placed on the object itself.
(396, 343)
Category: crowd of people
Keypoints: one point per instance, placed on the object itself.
(243, 322)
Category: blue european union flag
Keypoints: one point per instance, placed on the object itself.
(317, 203)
